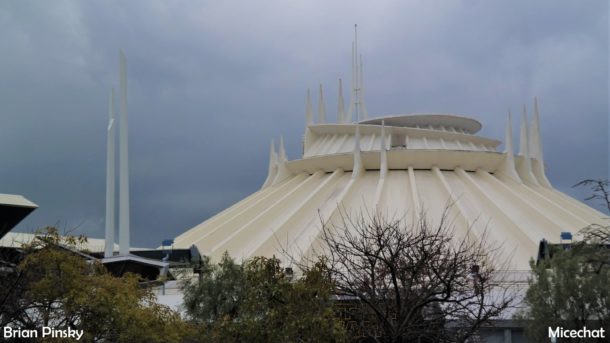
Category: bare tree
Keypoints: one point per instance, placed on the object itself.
(414, 283)
(600, 189)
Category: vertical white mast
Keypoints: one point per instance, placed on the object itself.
(123, 163)
(321, 107)
(308, 110)
(341, 105)
(525, 167)
(363, 113)
(110, 187)
(356, 106)
(508, 165)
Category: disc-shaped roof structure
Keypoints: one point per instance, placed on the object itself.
(400, 165)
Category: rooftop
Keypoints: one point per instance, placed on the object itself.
(425, 120)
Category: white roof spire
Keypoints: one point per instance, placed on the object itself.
(272, 165)
(282, 170)
(508, 165)
(308, 110)
(110, 183)
(536, 146)
(124, 229)
(525, 165)
(357, 108)
(341, 105)
(282, 153)
(364, 115)
(321, 107)
(524, 149)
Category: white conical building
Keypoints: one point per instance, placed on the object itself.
(405, 165)
(429, 160)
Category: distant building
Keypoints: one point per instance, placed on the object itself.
(13, 208)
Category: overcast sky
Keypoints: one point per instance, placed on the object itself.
(211, 82)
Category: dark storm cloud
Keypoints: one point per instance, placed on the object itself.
(211, 82)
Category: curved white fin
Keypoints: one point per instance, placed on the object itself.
(308, 110)
(283, 172)
(321, 107)
(507, 167)
(524, 165)
(536, 148)
(272, 172)
(341, 105)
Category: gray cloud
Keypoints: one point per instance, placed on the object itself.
(211, 82)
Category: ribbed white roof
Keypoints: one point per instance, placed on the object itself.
(401, 171)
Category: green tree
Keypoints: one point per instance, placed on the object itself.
(258, 301)
(570, 287)
(570, 290)
(57, 287)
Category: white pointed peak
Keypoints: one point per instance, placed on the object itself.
(508, 165)
(272, 165)
(536, 147)
(283, 172)
(341, 105)
(524, 168)
(535, 139)
(508, 133)
(308, 110)
(357, 108)
(524, 137)
(282, 153)
(352, 97)
(272, 154)
(321, 107)
(363, 112)
(124, 204)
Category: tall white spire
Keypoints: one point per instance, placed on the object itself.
(341, 105)
(524, 149)
(363, 112)
(525, 166)
(308, 109)
(282, 153)
(282, 169)
(110, 186)
(383, 168)
(535, 144)
(508, 135)
(508, 165)
(124, 231)
(272, 166)
(357, 108)
(536, 148)
(321, 107)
